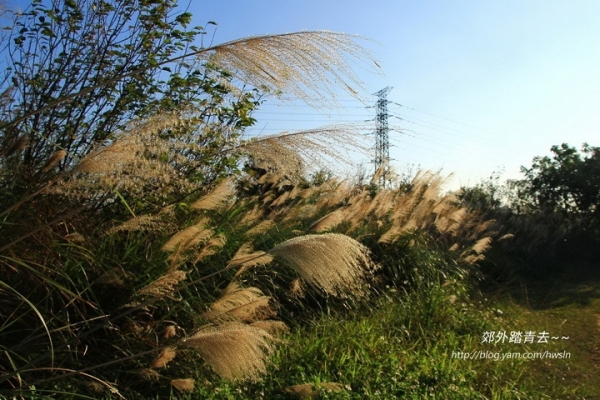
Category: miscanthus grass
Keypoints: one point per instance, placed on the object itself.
(336, 263)
(234, 350)
(187, 284)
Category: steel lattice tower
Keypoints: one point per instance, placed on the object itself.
(382, 139)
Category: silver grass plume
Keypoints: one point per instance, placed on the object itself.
(333, 262)
(246, 258)
(183, 385)
(303, 65)
(234, 350)
(288, 153)
(329, 221)
(217, 197)
(166, 356)
(163, 286)
(242, 304)
(189, 237)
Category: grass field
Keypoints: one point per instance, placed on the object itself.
(406, 346)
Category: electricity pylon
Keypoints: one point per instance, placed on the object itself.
(382, 139)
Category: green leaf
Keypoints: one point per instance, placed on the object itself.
(184, 19)
(47, 32)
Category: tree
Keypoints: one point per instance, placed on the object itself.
(78, 70)
(568, 183)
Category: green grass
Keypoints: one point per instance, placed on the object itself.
(402, 347)
(566, 304)
(406, 341)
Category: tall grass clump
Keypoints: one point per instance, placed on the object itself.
(118, 240)
(154, 250)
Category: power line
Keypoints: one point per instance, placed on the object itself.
(454, 143)
(437, 116)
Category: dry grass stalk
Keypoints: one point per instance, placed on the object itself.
(473, 258)
(125, 147)
(257, 310)
(482, 245)
(251, 216)
(75, 237)
(382, 204)
(170, 331)
(289, 152)
(483, 226)
(296, 289)
(452, 222)
(300, 212)
(55, 159)
(475, 253)
(133, 162)
(434, 185)
(383, 169)
(246, 258)
(405, 205)
(329, 221)
(242, 252)
(304, 65)
(268, 197)
(21, 144)
(335, 263)
(140, 223)
(189, 237)
(244, 304)
(274, 157)
(505, 237)
(306, 193)
(260, 228)
(269, 179)
(297, 192)
(357, 209)
(422, 207)
(285, 184)
(149, 374)
(184, 385)
(392, 234)
(336, 193)
(281, 199)
(166, 356)
(271, 326)
(234, 350)
(215, 244)
(312, 391)
(218, 197)
(163, 286)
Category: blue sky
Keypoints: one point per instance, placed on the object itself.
(485, 85)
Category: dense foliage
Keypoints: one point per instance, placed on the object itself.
(76, 72)
(568, 184)
(552, 214)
